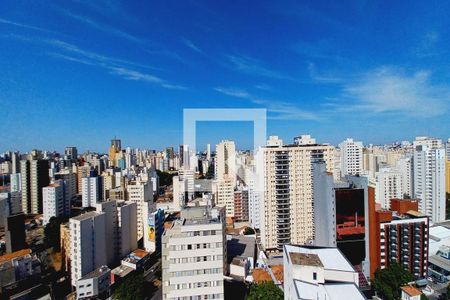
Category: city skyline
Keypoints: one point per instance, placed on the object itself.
(82, 73)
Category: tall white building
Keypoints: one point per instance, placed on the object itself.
(429, 177)
(70, 182)
(15, 185)
(324, 199)
(88, 244)
(194, 258)
(121, 228)
(389, 186)
(140, 192)
(90, 191)
(405, 166)
(286, 208)
(351, 157)
(55, 202)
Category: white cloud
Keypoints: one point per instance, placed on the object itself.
(391, 90)
(279, 110)
(190, 44)
(255, 67)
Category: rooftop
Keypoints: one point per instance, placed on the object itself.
(9, 256)
(329, 291)
(331, 258)
(85, 216)
(305, 259)
(411, 291)
(122, 271)
(261, 275)
(240, 246)
(96, 273)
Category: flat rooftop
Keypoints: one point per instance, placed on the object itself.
(86, 216)
(331, 258)
(96, 273)
(305, 259)
(411, 291)
(240, 246)
(9, 256)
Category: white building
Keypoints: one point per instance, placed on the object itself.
(55, 203)
(318, 274)
(351, 157)
(194, 256)
(15, 183)
(140, 192)
(405, 166)
(90, 191)
(87, 244)
(95, 283)
(70, 183)
(121, 228)
(429, 177)
(324, 199)
(389, 186)
(286, 208)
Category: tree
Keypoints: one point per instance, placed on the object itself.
(52, 232)
(248, 231)
(265, 291)
(164, 178)
(131, 288)
(387, 282)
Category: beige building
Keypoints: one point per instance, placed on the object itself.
(225, 195)
(286, 208)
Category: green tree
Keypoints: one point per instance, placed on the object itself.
(131, 288)
(165, 178)
(423, 297)
(248, 231)
(52, 233)
(387, 282)
(265, 291)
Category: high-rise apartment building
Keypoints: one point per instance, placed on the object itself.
(225, 161)
(351, 157)
(88, 244)
(225, 195)
(71, 153)
(429, 177)
(70, 183)
(194, 257)
(389, 186)
(121, 228)
(286, 206)
(241, 204)
(324, 200)
(114, 149)
(404, 165)
(55, 202)
(35, 176)
(90, 191)
(140, 192)
(401, 237)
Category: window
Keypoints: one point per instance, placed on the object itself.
(314, 276)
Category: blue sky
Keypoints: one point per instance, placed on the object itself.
(81, 72)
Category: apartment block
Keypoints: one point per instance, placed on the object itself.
(286, 205)
(194, 255)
